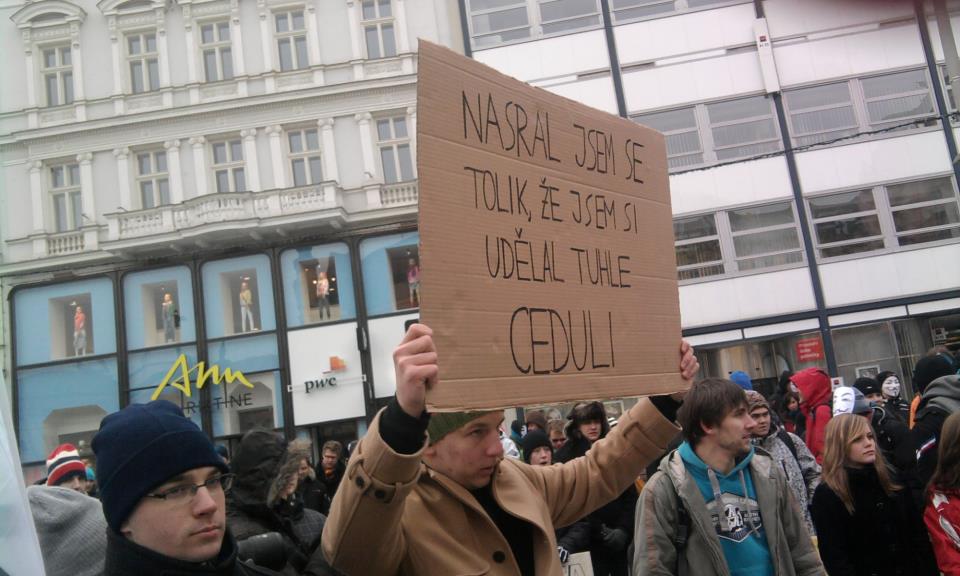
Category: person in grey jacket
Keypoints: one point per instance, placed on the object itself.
(718, 505)
(789, 452)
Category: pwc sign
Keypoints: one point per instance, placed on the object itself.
(329, 379)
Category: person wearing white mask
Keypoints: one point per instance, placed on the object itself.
(891, 388)
(849, 400)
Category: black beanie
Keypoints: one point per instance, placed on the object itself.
(867, 385)
(140, 448)
(929, 368)
(533, 440)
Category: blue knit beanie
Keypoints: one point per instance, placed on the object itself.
(140, 448)
(742, 379)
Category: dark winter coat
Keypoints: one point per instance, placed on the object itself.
(884, 536)
(326, 486)
(891, 432)
(124, 558)
(940, 399)
(264, 465)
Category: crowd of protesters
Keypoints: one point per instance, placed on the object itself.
(809, 479)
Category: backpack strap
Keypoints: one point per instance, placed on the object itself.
(784, 437)
(682, 533)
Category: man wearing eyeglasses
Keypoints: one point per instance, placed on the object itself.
(162, 486)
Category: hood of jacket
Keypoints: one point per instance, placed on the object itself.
(942, 393)
(814, 385)
(264, 466)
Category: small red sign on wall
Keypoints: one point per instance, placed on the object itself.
(809, 349)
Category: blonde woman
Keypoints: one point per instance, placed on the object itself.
(867, 523)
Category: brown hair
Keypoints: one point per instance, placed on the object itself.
(708, 402)
(841, 432)
(947, 473)
(332, 446)
(554, 426)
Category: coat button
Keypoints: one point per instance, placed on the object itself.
(380, 494)
(499, 557)
(360, 482)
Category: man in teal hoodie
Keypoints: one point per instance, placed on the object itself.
(718, 505)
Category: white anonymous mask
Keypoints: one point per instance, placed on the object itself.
(891, 387)
(843, 399)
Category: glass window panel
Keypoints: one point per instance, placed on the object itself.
(748, 150)
(146, 194)
(318, 284)
(223, 31)
(932, 236)
(926, 217)
(694, 227)
(210, 65)
(764, 242)
(373, 42)
(702, 272)
(151, 41)
(53, 91)
(66, 58)
(136, 77)
(739, 109)
(223, 181)
(890, 84)
(845, 203)
(832, 251)
(478, 5)
(226, 63)
(299, 172)
(250, 304)
(283, 24)
(369, 10)
(406, 162)
(220, 153)
(560, 9)
(236, 150)
(73, 174)
(160, 158)
(383, 130)
(389, 167)
(643, 11)
(56, 176)
(684, 143)
(823, 120)
(574, 24)
(206, 33)
(144, 164)
(815, 96)
(903, 107)
(301, 44)
(154, 69)
(297, 20)
(50, 58)
(164, 190)
(240, 180)
(313, 141)
(60, 212)
(848, 229)
(506, 36)
(391, 272)
(286, 54)
(76, 206)
(400, 127)
(67, 87)
(133, 45)
(497, 21)
(385, 9)
(923, 191)
(389, 42)
(769, 261)
(763, 129)
(760, 216)
(698, 253)
(296, 142)
(316, 170)
(670, 120)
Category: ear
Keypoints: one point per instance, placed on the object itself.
(126, 531)
(707, 430)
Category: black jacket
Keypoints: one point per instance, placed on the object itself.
(884, 536)
(326, 486)
(124, 558)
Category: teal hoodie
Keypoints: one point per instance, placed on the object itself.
(736, 517)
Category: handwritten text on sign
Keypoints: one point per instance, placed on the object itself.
(545, 231)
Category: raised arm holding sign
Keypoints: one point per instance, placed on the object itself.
(430, 493)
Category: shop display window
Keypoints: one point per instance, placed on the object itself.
(169, 370)
(64, 321)
(63, 403)
(238, 296)
(235, 406)
(318, 284)
(159, 307)
(391, 272)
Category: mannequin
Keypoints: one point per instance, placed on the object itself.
(168, 313)
(323, 294)
(79, 332)
(246, 308)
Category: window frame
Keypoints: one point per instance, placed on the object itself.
(65, 88)
(218, 46)
(700, 240)
(306, 155)
(534, 23)
(679, 7)
(154, 177)
(231, 166)
(72, 194)
(378, 23)
(813, 221)
(795, 225)
(770, 116)
(924, 73)
(395, 143)
(144, 57)
(954, 200)
(291, 35)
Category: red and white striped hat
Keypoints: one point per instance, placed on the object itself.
(63, 463)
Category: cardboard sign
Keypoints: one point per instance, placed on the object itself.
(548, 267)
(809, 349)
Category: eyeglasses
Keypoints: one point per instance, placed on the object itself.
(183, 492)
